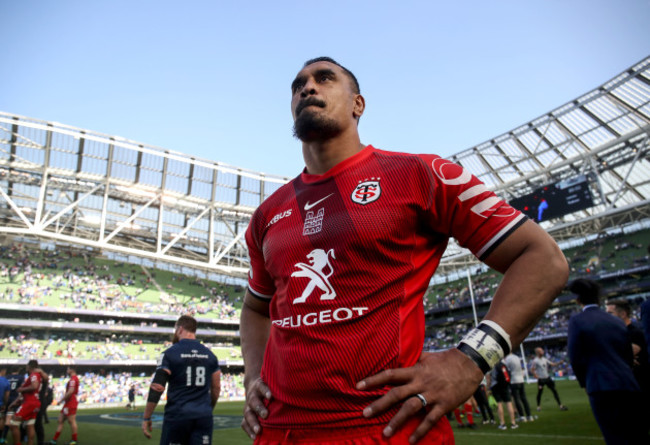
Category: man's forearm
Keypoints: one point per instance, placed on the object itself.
(530, 283)
(254, 330)
(214, 398)
(149, 409)
(67, 396)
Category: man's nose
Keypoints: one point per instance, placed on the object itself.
(309, 89)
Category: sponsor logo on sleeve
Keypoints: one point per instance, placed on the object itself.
(454, 175)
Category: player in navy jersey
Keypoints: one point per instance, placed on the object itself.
(4, 397)
(15, 379)
(193, 379)
(332, 325)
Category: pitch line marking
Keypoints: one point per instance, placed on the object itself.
(542, 436)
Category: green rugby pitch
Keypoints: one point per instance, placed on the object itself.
(573, 427)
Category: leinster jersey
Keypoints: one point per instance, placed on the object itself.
(15, 382)
(344, 259)
(188, 391)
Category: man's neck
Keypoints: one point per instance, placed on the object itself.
(321, 156)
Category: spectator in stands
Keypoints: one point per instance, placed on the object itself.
(641, 368)
(513, 363)
(541, 368)
(601, 356)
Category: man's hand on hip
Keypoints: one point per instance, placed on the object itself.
(254, 407)
(445, 380)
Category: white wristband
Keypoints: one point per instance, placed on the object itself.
(501, 331)
(486, 345)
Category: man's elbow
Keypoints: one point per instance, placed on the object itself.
(557, 270)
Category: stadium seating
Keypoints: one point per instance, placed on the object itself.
(108, 318)
(113, 319)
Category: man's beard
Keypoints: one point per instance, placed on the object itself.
(310, 127)
(175, 339)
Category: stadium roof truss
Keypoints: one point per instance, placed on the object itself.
(71, 185)
(604, 134)
(75, 186)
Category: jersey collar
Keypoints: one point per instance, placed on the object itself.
(341, 166)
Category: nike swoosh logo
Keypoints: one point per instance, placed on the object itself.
(309, 205)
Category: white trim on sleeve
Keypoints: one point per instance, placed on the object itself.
(499, 235)
(258, 294)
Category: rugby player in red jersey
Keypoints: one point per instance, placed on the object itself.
(29, 406)
(69, 410)
(332, 326)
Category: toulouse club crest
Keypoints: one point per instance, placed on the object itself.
(367, 191)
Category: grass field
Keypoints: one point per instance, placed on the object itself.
(574, 427)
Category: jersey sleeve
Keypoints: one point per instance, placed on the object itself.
(464, 208)
(260, 283)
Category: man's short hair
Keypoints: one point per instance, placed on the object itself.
(188, 323)
(587, 291)
(353, 78)
(621, 306)
(32, 364)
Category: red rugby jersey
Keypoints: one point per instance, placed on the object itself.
(32, 395)
(344, 259)
(74, 384)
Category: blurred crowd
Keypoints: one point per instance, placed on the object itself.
(604, 254)
(125, 347)
(84, 285)
(114, 387)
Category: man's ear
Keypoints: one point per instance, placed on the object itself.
(359, 106)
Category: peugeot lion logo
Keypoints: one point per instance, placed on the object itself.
(319, 260)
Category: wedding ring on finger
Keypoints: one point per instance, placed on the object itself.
(422, 399)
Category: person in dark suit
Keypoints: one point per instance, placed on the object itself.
(645, 322)
(621, 308)
(601, 357)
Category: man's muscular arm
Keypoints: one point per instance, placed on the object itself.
(254, 327)
(535, 271)
(33, 387)
(156, 389)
